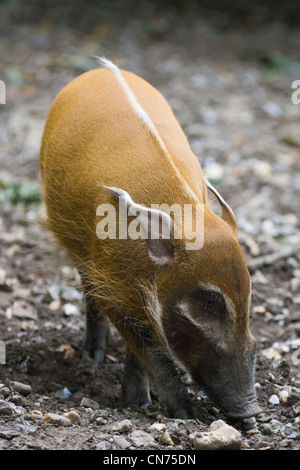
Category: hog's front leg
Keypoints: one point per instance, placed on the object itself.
(135, 386)
(150, 358)
(172, 392)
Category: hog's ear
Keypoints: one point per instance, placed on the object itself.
(227, 213)
(156, 226)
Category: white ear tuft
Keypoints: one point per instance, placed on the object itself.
(156, 226)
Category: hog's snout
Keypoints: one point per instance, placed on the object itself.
(228, 380)
(244, 408)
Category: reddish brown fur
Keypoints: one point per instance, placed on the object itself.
(93, 136)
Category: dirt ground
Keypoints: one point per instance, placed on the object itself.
(230, 88)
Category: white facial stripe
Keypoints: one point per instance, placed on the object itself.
(145, 118)
(204, 325)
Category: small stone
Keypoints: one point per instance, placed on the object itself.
(266, 429)
(260, 309)
(54, 305)
(63, 394)
(70, 293)
(165, 438)
(35, 415)
(100, 421)
(57, 419)
(219, 436)
(70, 309)
(5, 391)
(214, 171)
(271, 353)
(296, 410)
(23, 389)
(274, 400)
(21, 309)
(54, 291)
(283, 395)
(250, 432)
(2, 277)
(121, 442)
(21, 293)
(295, 285)
(73, 416)
(260, 444)
(103, 445)
(122, 426)
(272, 109)
(5, 408)
(265, 419)
(88, 403)
(141, 438)
(17, 399)
(67, 350)
(157, 426)
(8, 433)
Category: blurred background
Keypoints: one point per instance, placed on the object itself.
(226, 68)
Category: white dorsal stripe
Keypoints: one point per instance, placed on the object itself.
(132, 99)
(145, 118)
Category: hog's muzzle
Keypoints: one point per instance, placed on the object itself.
(244, 408)
(228, 380)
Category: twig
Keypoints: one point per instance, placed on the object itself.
(267, 260)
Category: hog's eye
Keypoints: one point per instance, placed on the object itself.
(209, 302)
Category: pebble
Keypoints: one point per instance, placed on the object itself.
(67, 350)
(261, 444)
(274, 400)
(220, 436)
(70, 309)
(141, 438)
(70, 293)
(73, 416)
(122, 426)
(271, 353)
(88, 403)
(5, 391)
(35, 415)
(260, 309)
(23, 389)
(100, 421)
(165, 438)
(283, 395)
(9, 433)
(54, 418)
(214, 171)
(63, 394)
(2, 277)
(5, 408)
(157, 426)
(121, 442)
(17, 399)
(21, 309)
